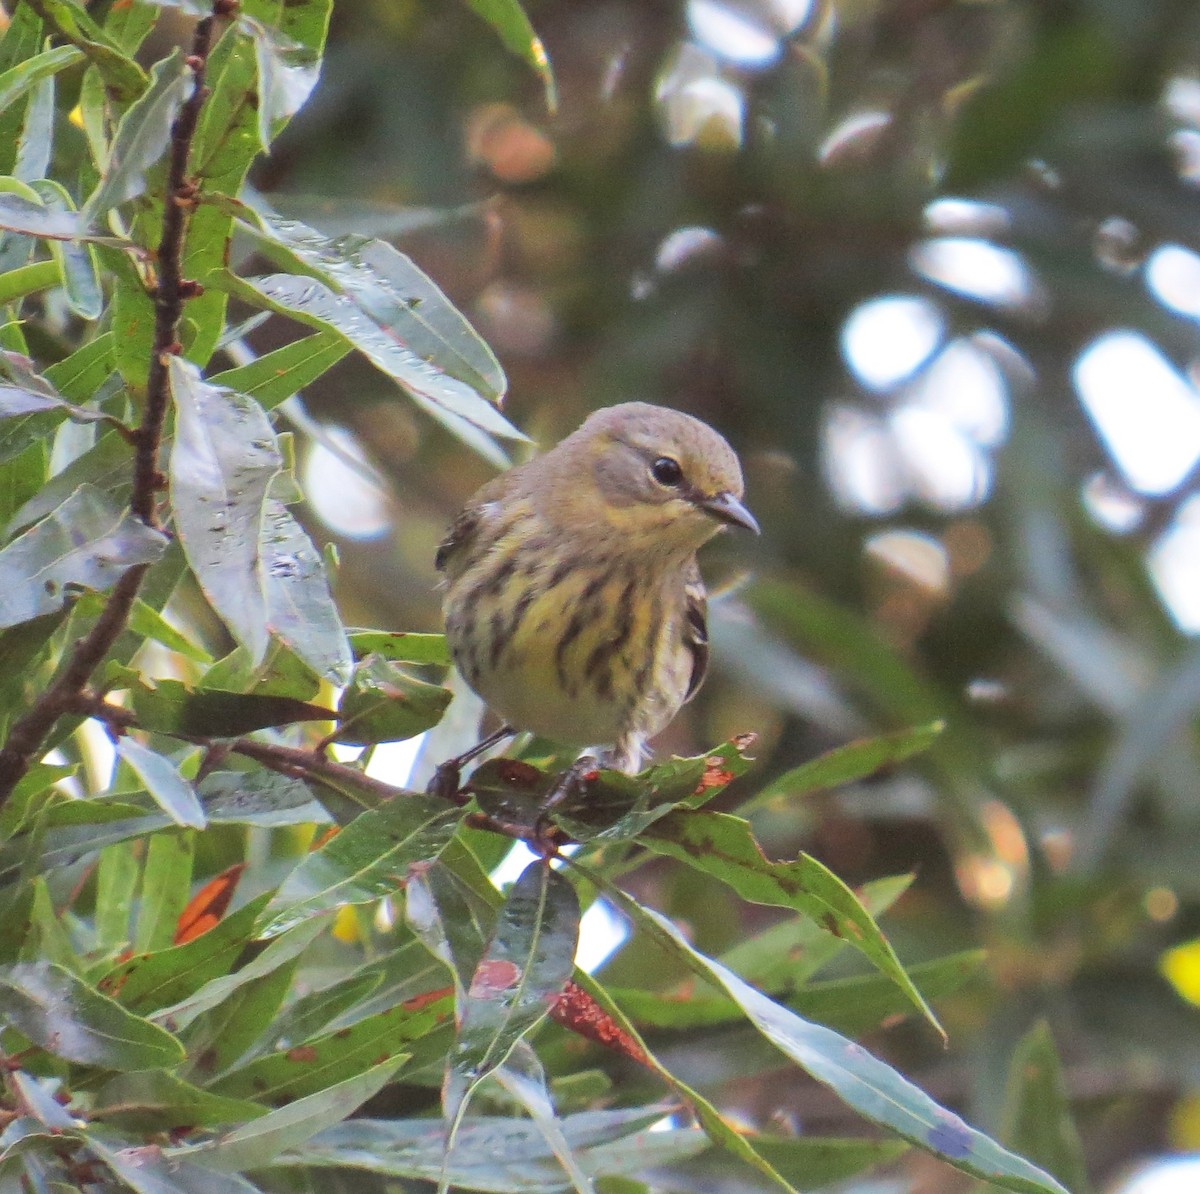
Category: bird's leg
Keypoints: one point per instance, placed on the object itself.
(446, 779)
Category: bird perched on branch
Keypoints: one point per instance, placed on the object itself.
(573, 603)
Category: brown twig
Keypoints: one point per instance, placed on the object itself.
(29, 732)
(293, 761)
(312, 764)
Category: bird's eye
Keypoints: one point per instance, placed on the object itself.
(666, 471)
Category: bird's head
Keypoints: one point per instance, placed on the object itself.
(660, 479)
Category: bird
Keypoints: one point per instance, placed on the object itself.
(573, 602)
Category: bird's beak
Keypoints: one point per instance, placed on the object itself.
(726, 508)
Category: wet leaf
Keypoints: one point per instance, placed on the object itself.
(499, 1153)
(276, 376)
(385, 704)
(440, 394)
(223, 459)
(368, 859)
(300, 609)
(523, 970)
(65, 1016)
(87, 543)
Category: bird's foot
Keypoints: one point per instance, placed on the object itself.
(447, 779)
(570, 785)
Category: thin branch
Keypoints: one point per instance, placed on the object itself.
(29, 733)
(292, 761)
(299, 763)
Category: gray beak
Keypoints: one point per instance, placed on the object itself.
(726, 508)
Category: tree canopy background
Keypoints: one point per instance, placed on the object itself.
(933, 267)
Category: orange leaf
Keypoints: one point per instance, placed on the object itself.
(205, 909)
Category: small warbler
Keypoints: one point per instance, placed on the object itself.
(573, 603)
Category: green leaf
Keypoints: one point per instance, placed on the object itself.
(29, 279)
(715, 1127)
(300, 610)
(63, 1015)
(307, 1066)
(145, 620)
(223, 458)
(279, 955)
(508, 19)
(385, 704)
(843, 765)
(173, 708)
(116, 881)
(22, 78)
(147, 982)
(171, 792)
(469, 416)
(617, 807)
(872, 1088)
(76, 261)
(498, 1153)
(86, 543)
(400, 299)
(849, 1005)
(276, 376)
(145, 1169)
(166, 888)
(71, 22)
(257, 1144)
(368, 859)
(1037, 1111)
(35, 146)
(524, 968)
(400, 646)
(722, 846)
(157, 1101)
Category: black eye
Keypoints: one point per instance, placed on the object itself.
(666, 471)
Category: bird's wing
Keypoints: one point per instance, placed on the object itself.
(695, 628)
(461, 532)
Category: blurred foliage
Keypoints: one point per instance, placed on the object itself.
(875, 243)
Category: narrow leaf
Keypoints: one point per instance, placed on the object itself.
(76, 261)
(1037, 1111)
(523, 971)
(223, 458)
(723, 846)
(258, 1143)
(872, 1088)
(368, 859)
(843, 765)
(299, 607)
(19, 79)
(66, 1017)
(172, 793)
(86, 543)
(508, 19)
(141, 139)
